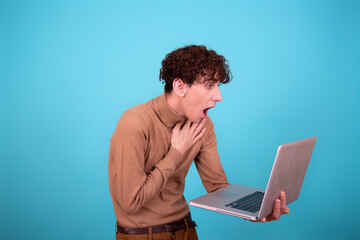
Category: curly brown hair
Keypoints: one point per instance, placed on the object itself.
(190, 62)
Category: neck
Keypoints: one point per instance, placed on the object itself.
(175, 103)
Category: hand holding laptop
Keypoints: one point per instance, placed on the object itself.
(278, 210)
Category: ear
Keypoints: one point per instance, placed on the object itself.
(179, 87)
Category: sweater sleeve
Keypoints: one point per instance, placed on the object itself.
(130, 185)
(208, 162)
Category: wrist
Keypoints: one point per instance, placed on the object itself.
(181, 150)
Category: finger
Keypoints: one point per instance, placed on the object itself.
(188, 122)
(287, 210)
(177, 127)
(199, 126)
(186, 125)
(283, 201)
(277, 207)
(200, 135)
(194, 125)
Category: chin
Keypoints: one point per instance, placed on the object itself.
(195, 120)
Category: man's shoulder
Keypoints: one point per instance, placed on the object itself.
(138, 115)
(137, 110)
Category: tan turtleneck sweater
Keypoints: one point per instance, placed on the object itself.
(146, 184)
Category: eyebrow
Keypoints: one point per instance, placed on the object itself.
(211, 80)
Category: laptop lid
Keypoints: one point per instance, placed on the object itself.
(288, 173)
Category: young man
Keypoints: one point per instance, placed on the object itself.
(155, 143)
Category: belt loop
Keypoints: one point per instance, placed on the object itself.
(150, 233)
(186, 233)
(186, 224)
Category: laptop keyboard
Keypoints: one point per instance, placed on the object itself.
(250, 203)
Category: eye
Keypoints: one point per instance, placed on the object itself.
(209, 85)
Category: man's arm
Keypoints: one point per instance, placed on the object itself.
(208, 162)
(213, 176)
(130, 185)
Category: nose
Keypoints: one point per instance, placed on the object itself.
(217, 95)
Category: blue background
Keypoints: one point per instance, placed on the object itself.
(69, 69)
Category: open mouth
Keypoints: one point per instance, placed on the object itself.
(205, 111)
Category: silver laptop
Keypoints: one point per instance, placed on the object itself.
(288, 172)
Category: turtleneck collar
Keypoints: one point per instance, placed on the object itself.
(164, 112)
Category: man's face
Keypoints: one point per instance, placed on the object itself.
(199, 98)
